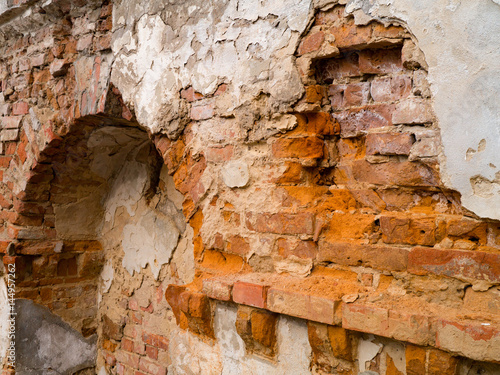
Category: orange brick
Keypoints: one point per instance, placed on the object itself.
(250, 294)
(307, 148)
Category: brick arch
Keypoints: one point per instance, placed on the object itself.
(57, 258)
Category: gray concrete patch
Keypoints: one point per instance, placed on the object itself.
(46, 345)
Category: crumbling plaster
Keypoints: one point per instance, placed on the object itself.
(458, 39)
(229, 356)
(162, 47)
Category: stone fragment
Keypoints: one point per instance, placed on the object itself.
(412, 57)
(235, 174)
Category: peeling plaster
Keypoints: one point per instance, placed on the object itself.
(459, 40)
(245, 43)
(367, 350)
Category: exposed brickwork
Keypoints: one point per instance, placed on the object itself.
(344, 221)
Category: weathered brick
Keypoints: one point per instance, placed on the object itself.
(155, 340)
(340, 342)
(479, 341)
(356, 94)
(404, 326)
(441, 363)
(250, 294)
(219, 154)
(264, 327)
(413, 112)
(415, 360)
(301, 249)
(376, 256)
(380, 61)
(20, 108)
(395, 173)
(460, 264)
(356, 122)
(151, 367)
(389, 89)
(281, 223)
(345, 66)
(302, 305)
(316, 123)
(202, 112)
(237, 244)
(129, 359)
(348, 35)
(217, 289)
(307, 147)
(311, 43)
(411, 231)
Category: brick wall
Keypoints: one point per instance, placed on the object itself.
(336, 215)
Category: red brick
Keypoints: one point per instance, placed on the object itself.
(158, 341)
(151, 367)
(307, 147)
(152, 352)
(202, 112)
(389, 144)
(190, 95)
(389, 89)
(311, 43)
(20, 108)
(460, 264)
(411, 231)
(11, 122)
(219, 154)
(250, 294)
(375, 256)
(127, 345)
(380, 61)
(301, 249)
(281, 223)
(356, 94)
(129, 359)
(238, 245)
(471, 229)
(356, 122)
(395, 173)
(333, 69)
(348, 35)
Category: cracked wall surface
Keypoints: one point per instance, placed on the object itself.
(243, 187)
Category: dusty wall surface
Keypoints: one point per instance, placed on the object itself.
(242, 187)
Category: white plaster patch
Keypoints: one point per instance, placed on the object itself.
(191, 356)
(151, 240)
(127, 189)
(107, 275)
(367, 350)
(235, 174)
(294, 351)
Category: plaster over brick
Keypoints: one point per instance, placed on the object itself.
(459, 44)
